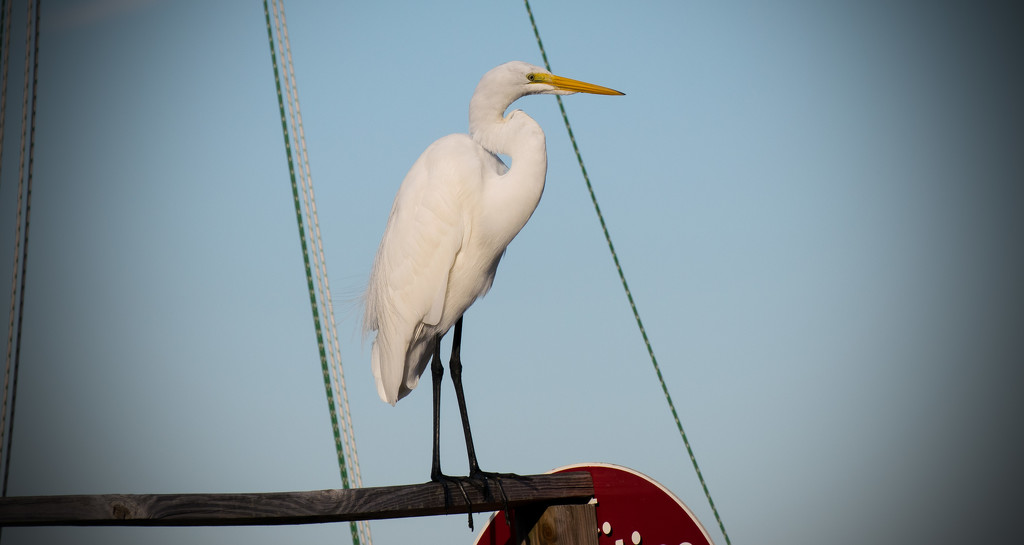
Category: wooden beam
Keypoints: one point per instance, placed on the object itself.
(265, 508)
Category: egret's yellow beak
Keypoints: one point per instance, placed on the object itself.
(575, 86)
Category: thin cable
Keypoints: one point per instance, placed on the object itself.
(319, 261)
(5, 13)
(5, 28)
(625, 285)
(306, 262)
(28, 127)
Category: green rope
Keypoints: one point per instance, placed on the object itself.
(625, 286)
(309, 274)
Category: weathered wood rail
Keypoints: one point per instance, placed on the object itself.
(274, 508)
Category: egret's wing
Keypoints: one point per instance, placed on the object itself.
(410, 274)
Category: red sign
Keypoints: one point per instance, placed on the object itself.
(631, 509)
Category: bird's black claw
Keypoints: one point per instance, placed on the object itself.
(484, 477)
(444, 481)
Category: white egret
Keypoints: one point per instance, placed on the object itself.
(455, 212)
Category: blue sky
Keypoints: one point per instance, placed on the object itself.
(817, 206)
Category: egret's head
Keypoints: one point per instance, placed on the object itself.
(550, 84)
(502, 86)
(515, 79)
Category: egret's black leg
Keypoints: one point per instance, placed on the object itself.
(437, 373)
(455, 365)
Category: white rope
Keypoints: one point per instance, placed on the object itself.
(319, 259)
(322, 285)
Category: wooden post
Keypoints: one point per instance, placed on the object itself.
(556, 524)
(316, 506)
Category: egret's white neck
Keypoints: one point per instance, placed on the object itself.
(519, 137)
(497, 132)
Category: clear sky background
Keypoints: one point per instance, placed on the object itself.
(818, 206)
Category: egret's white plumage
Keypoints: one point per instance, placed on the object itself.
(456, 211)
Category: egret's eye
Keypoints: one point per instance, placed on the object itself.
(531, 78)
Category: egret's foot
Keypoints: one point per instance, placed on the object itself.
(444, 481)
(484, 477)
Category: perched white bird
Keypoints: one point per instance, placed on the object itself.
(456, 211)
